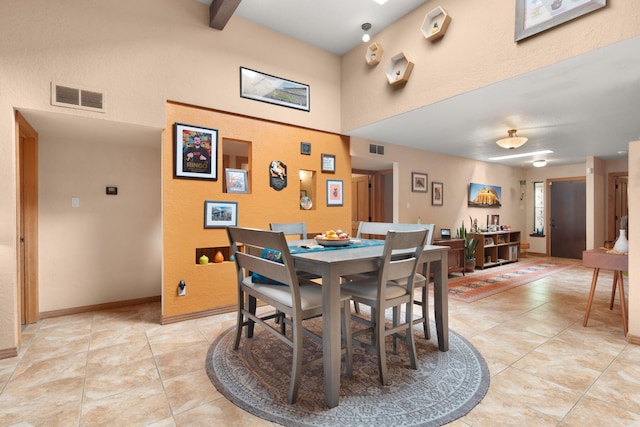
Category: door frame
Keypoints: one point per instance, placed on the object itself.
(27, 220)
(611, 209)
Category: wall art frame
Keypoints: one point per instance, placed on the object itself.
(219, 214)
(195, 152)
(484, 196)
(533, 18)
(273, 90)
(437, 193)
(335, 192)
(237, 181)
(305, 148)
(328, 163)
(419, 182)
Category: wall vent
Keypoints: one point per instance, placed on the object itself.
(66, 96)
(376, 149)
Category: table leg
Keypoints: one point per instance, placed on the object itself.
(594, 280)
(331, 337)
(613, 290)
(441, 300)
(623, 303)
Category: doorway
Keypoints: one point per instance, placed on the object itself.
(27, 176)
(617, 202)
(568, 217)
(370, 189)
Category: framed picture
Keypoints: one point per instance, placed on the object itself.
(220, 214)
(419, 182)
(335, 195)
(237, 181)
(533, 17)
(305, 148)
(196, 152)
(484, 196)
(437, 193)
(328, 163)
(274, 90)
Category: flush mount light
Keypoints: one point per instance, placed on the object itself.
(366, 27)
(512, 141)
(514, 156)
(540, 163)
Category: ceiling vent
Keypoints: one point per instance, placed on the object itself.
(376, 149)
(65, 96)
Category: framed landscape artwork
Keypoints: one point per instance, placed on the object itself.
(274, 90)
(533, 17)
(220, 214)
(484, 195)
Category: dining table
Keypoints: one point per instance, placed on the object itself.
(360, 256)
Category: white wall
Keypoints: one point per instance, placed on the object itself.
(634, 241)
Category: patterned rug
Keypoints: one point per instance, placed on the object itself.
(446, 386)
(483, 283)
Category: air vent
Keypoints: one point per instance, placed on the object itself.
(376, 149)
(65, 96)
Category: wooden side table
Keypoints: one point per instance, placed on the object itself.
(597, 259)
(456, 253)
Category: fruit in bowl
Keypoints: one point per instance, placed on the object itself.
(333, 235)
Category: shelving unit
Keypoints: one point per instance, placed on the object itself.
(435, 24)
(374, 54)
(456, 254)
(399, 69)
(496, 248)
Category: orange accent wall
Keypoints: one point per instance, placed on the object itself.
(212, 286)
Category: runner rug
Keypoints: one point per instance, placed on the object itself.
(446, 385)
(483, 283)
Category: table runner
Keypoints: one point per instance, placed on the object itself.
(355, 243)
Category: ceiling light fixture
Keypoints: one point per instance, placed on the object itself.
(366, 27)
(514, 156)
(512, 141)
(539, 163)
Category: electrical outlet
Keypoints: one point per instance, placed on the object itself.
(182, 288)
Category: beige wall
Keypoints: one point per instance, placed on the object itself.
(634, 240)
(146, 52)
(477, 50)
(110, 247)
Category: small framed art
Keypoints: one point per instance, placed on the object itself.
(437, 193)
(237, 181)
(220, 214)
(196, 152)
(305, 148)
(328, 163)
(335, 194)
(419, 182)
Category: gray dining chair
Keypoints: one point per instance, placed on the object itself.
(265, 274)
(383, 292)
(291, 228)
(380, 230)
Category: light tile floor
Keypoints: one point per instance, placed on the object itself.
(122, 368)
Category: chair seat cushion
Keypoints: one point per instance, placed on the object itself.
(368, 289)
(310, 293)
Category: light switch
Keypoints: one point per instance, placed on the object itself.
(75, 202)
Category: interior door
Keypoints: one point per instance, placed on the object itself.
(568, 218)
(621, 203)
(27, 162)
(360, 206)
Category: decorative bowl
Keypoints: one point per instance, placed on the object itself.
(333, 242)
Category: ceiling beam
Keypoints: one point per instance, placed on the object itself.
(221, 11)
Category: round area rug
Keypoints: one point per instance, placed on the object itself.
(446, 385)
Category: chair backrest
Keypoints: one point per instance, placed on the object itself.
(249, 259)
(382, 228)
(410, 245)
(291, 228)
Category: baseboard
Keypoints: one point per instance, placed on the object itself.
(97, 307)
(198, 314)
(633, 339)
(8, 353)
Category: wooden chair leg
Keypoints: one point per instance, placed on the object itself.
(425, 311)
(296, 362)
(613, 289)
(348, 343)
(623, 303)
(379, 333)
(411, 345)
(594, 280)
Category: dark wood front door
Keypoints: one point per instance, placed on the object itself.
(568, 217)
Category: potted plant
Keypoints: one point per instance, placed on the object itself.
(470, 245)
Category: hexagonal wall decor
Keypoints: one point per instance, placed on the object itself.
(374, 54)
(399, 69)
(435, 24)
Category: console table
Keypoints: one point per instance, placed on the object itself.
(597, 259)
(456, 253)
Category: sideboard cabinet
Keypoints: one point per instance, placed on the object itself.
(456, 253)
(496, 248)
